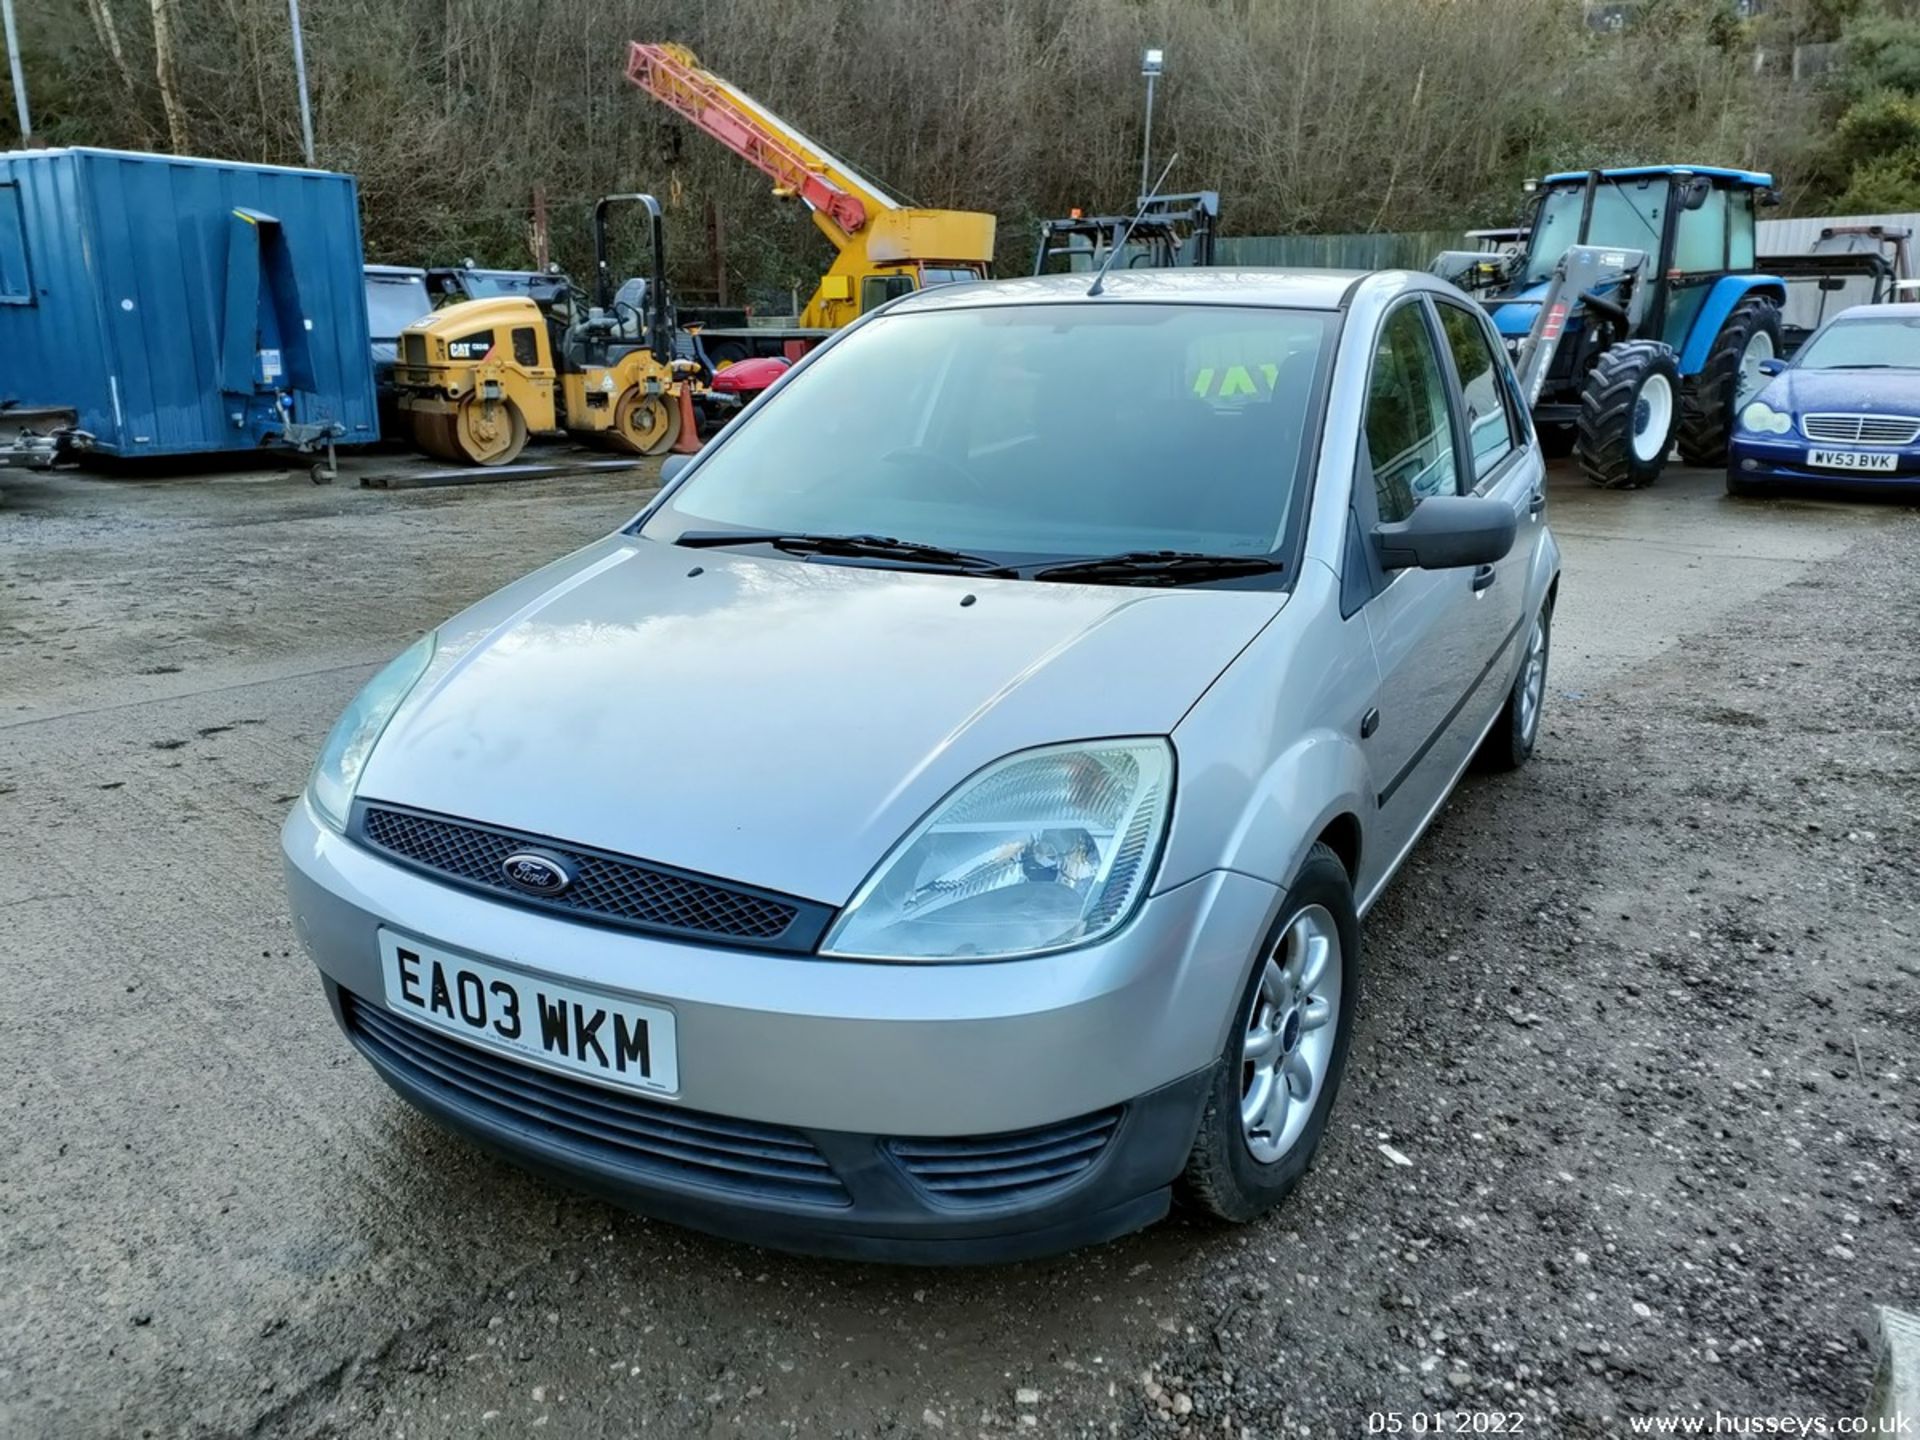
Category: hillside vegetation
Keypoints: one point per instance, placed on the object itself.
(1308, 115)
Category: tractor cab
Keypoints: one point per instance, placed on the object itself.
(1633, 312)
(1694, 224)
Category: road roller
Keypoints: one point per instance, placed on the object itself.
(475, 379)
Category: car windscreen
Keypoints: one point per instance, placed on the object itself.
(1032, 431)
(1881, 343)
(395, 302)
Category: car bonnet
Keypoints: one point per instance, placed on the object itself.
(773, 721)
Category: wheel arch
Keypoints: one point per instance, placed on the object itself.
(1727, 292)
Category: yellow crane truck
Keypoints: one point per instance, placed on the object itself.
(474, 379)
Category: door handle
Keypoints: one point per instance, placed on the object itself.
(1484, 576)
(1537, 503)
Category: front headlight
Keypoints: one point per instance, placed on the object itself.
(337, 772)
(1044, 850)
(1765, 419)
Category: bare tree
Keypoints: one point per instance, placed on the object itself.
(165, 71)
(101, 12)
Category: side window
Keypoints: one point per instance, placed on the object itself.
(1701, 241)
(1409, 426)
(1740, 246)
(1489, 425)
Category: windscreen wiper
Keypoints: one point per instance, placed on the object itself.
(863, 547)
(1159, 567)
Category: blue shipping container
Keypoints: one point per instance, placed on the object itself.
(182, 306)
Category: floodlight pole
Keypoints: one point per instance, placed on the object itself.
(300, 74)
(19, 73)
(1150, 64)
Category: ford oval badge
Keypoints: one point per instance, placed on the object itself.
(537, 873)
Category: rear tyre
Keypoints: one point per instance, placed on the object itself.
(1628, 410)
(1287, 1050)
(1509, 745)
(1730, 378)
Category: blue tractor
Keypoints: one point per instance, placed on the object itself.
(1634, 314)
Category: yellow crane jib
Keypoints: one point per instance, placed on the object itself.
(885, 248)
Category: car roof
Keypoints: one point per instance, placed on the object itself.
(1904, 310)
(1195, 285)
(1745, 177)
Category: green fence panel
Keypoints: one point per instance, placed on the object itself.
(1404, 250)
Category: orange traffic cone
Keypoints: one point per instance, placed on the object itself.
(688, 441)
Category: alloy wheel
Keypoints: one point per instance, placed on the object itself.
(1289, 1033)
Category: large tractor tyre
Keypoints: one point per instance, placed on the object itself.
(645, 424)
(728, 352)
(1629, 409)
(1730, 378)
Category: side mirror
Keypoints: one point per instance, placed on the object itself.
(1696, 192)
(1773, 367)
(671, 467)
(1446, 531)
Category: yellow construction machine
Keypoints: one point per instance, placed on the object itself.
(474, 379)
(885, 248)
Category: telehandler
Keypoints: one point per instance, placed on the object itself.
(474, 379)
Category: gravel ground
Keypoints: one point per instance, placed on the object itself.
(1631, 1126)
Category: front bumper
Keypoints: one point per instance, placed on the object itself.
(1783, 459)
(833, 1059)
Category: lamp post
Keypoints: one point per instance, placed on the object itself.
(300, 77)
(19, 73)
(1151, 64)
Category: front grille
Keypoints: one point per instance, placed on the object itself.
(989, 1169)
(642, 1137)
(606, 887)
(414, 350)
(1862, 429)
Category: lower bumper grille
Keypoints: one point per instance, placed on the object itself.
(987, 1170)
(637, 1135)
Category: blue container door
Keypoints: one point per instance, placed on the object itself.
(213, 277)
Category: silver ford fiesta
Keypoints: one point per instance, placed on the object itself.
(937, 827)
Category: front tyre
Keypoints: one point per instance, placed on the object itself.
(1509, 745)
(1287, 1051)
(1730, 378)
(1628, 410)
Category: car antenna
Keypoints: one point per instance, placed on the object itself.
(1147, 199)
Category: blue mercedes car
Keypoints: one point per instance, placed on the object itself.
(1845, 410)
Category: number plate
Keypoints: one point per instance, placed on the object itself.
(1851, 459)
(607, 1039)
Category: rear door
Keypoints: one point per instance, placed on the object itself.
(1500, 465)
(1423, 623)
